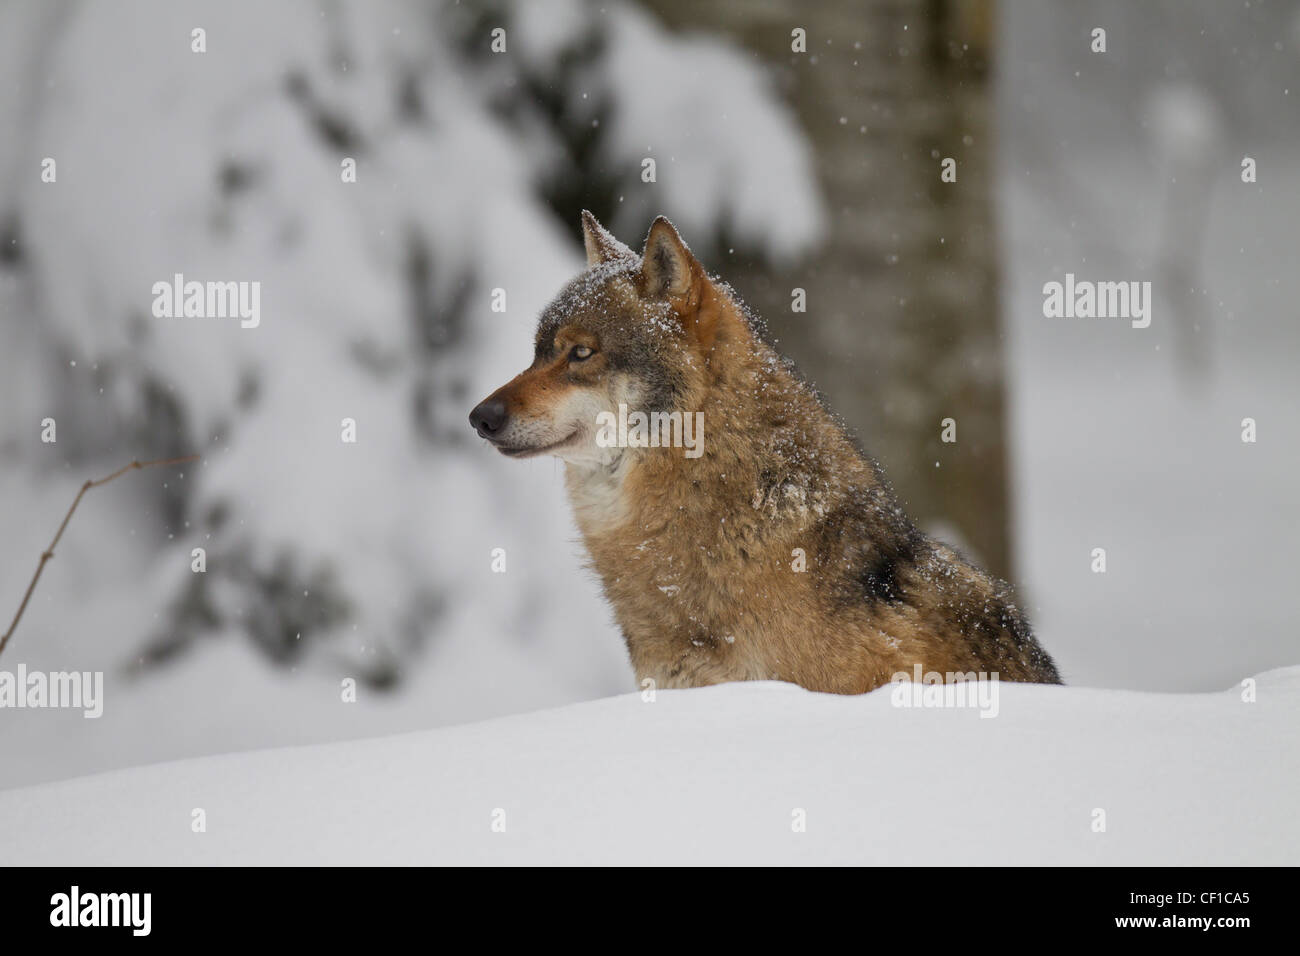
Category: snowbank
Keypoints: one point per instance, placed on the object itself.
(719, 775)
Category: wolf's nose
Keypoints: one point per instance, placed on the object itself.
(488, 417)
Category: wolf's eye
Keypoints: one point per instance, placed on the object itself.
(580, 352)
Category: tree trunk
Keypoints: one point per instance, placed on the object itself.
(902, 328)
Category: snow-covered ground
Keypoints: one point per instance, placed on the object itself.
(740, 773)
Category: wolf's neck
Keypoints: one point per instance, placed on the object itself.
(596, 493)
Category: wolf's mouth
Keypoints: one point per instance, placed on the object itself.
(531, 450)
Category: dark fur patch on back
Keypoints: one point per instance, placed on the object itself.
(870, 548)
(881, 576)
(879, 579)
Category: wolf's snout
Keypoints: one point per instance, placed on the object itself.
(488, 417)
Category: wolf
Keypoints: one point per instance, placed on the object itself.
(779, 552)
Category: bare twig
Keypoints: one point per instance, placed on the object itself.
(49, 552)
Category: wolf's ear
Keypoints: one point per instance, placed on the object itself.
(669, 270)
(601, 246)
(667, 266)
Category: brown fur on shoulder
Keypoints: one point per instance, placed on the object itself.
(770, 549)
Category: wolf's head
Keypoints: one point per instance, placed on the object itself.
(638, 331)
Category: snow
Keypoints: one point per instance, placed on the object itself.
(717, 776)
(685, 105)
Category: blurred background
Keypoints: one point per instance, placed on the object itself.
(796, 146)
